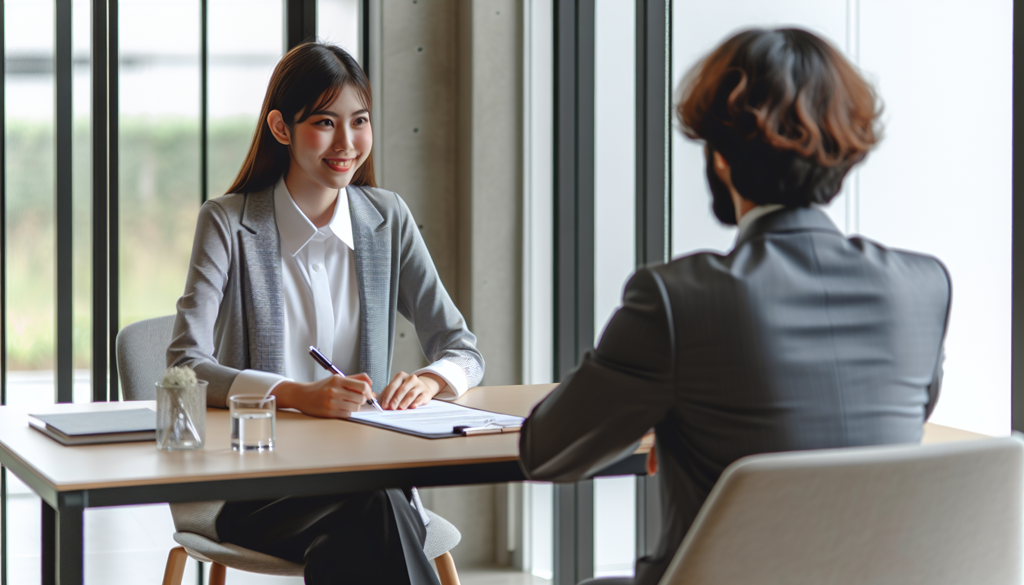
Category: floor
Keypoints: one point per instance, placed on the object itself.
(128, 546)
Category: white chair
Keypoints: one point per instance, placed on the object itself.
(141, 359)
(940, 514)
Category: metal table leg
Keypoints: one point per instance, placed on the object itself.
(62, 544)
(648, 515)
(573, 557)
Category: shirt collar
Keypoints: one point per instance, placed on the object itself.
(751, 216)
(295, 228)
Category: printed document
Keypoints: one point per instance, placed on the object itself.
(437, 417)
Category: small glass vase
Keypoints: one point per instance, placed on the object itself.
(181, 416)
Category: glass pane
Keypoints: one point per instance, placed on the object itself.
(927, 182)
(614, 526)
(29, 229)
(81, 192)
(614, 155)
(614, 243)
(246, 42)
(341, 22)
(29, 82)
(159, 152)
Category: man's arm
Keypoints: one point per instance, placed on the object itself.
(618, 392)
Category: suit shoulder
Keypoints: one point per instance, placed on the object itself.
(231, 204)
(904, 260)
(388, 203)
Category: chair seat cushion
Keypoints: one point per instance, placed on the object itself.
(197, 517)
(442, 536)
(234, 556)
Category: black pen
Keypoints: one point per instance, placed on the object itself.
(327, 365)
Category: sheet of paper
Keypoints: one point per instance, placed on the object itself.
(437, 416)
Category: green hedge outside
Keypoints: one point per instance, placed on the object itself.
(159, 198)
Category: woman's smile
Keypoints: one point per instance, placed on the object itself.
(340, 165)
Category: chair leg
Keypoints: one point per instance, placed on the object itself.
(175, 570)
(217, 574)
(446, 569)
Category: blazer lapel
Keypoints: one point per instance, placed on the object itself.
(372, 238)
(260, 253)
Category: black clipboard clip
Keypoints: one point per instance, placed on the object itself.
(488, 428)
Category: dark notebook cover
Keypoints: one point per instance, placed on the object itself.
(102, 422)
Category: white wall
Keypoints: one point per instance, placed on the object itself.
(938, 183)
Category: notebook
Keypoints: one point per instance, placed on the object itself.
(90, 428)
(440, 420)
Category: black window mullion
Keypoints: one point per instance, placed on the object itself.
(653, 131)
(299, 22)
(1017, 304)
(574, 32)
(64, 202)
(113, 256)
(653, 190)
(204, 108)
(99, 200)
(365, 38)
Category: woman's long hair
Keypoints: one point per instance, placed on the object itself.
(307, 79)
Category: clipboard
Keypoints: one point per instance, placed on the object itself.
(439, 419)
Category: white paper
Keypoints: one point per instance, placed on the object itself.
(437, 417)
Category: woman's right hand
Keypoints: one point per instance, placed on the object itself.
(334, 397)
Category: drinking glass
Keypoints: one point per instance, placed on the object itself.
(253, 420)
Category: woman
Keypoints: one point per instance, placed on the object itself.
(305, 250)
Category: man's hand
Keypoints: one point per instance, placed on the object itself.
(652, 461)
(334, 397)
(408, 391)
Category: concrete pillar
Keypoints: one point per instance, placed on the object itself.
(447, 130)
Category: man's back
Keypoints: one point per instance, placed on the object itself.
(797, 339)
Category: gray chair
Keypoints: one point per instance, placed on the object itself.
(940, 514)
(141, 360)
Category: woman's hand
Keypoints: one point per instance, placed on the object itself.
(334, 397)
(409, 391)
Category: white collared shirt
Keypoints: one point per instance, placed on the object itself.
(752, 215)
(321, 301)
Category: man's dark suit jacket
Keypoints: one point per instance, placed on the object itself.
(797, 339)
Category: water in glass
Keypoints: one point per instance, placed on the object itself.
(252, 430)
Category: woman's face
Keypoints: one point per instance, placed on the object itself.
(330, 145)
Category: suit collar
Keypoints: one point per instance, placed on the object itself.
(258, 211)
(262, 287)
(790, 219)
(373, 251)
(363, 212)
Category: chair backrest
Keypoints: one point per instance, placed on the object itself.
(910, 514)
(142, 356)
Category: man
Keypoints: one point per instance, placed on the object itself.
(799, 338)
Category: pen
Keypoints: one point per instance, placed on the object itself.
(327, 365)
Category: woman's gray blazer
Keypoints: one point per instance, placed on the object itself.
(231, 316)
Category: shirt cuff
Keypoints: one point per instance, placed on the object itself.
(450, 373)
(254, 382)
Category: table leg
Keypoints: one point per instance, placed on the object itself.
(573, 513)
(648, 515)
(62, 544)
(48, 527)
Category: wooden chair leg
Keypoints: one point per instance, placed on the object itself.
(446, 570)
(217, 573)
(175, 570)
